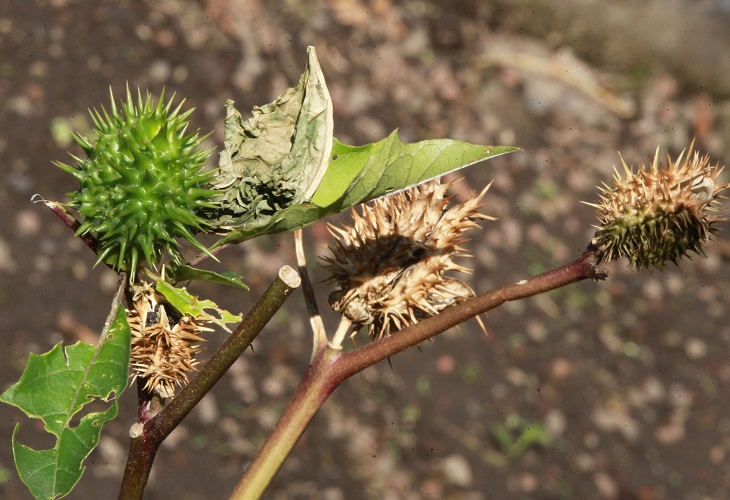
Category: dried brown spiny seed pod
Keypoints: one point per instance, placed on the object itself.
(164, 342)
(391, 264)
(659, 214)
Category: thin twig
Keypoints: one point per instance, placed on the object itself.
(116, 303)
(342, 329)
(69, 221)
(585, 267)
(331, 366)
(315, 320)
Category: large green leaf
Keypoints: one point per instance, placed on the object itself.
(54, 387)
(363, 173)
(357, 174)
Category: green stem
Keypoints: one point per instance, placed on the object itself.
(316, 385)
(153, 426)
(330, 367)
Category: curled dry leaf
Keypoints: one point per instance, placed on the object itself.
(276, 158)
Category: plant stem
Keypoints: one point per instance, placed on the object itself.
(585, 267)
(270, 302)
(71, 223)
(330, 367)
(156, 426)
(315, 387)
(315, 320)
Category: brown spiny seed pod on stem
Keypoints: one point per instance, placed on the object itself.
(390, 265)
(659, 214)
(164, 342)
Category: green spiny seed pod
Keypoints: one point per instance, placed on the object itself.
(658, 215)
(142, 184)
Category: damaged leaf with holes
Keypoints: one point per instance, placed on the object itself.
(55, 387)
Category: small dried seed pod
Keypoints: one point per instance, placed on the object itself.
(660, 214)
(164, 342)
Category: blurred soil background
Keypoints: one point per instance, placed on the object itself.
(612, 390)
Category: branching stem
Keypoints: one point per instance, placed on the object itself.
(157, 423)
(330, 366)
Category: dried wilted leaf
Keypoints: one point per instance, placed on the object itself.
(276, 158)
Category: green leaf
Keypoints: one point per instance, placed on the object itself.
(188, 273)
(532, 435)
(181, 300)
(357, 174)
(360, 174)
(54, 387)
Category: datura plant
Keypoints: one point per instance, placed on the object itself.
(146, 190)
